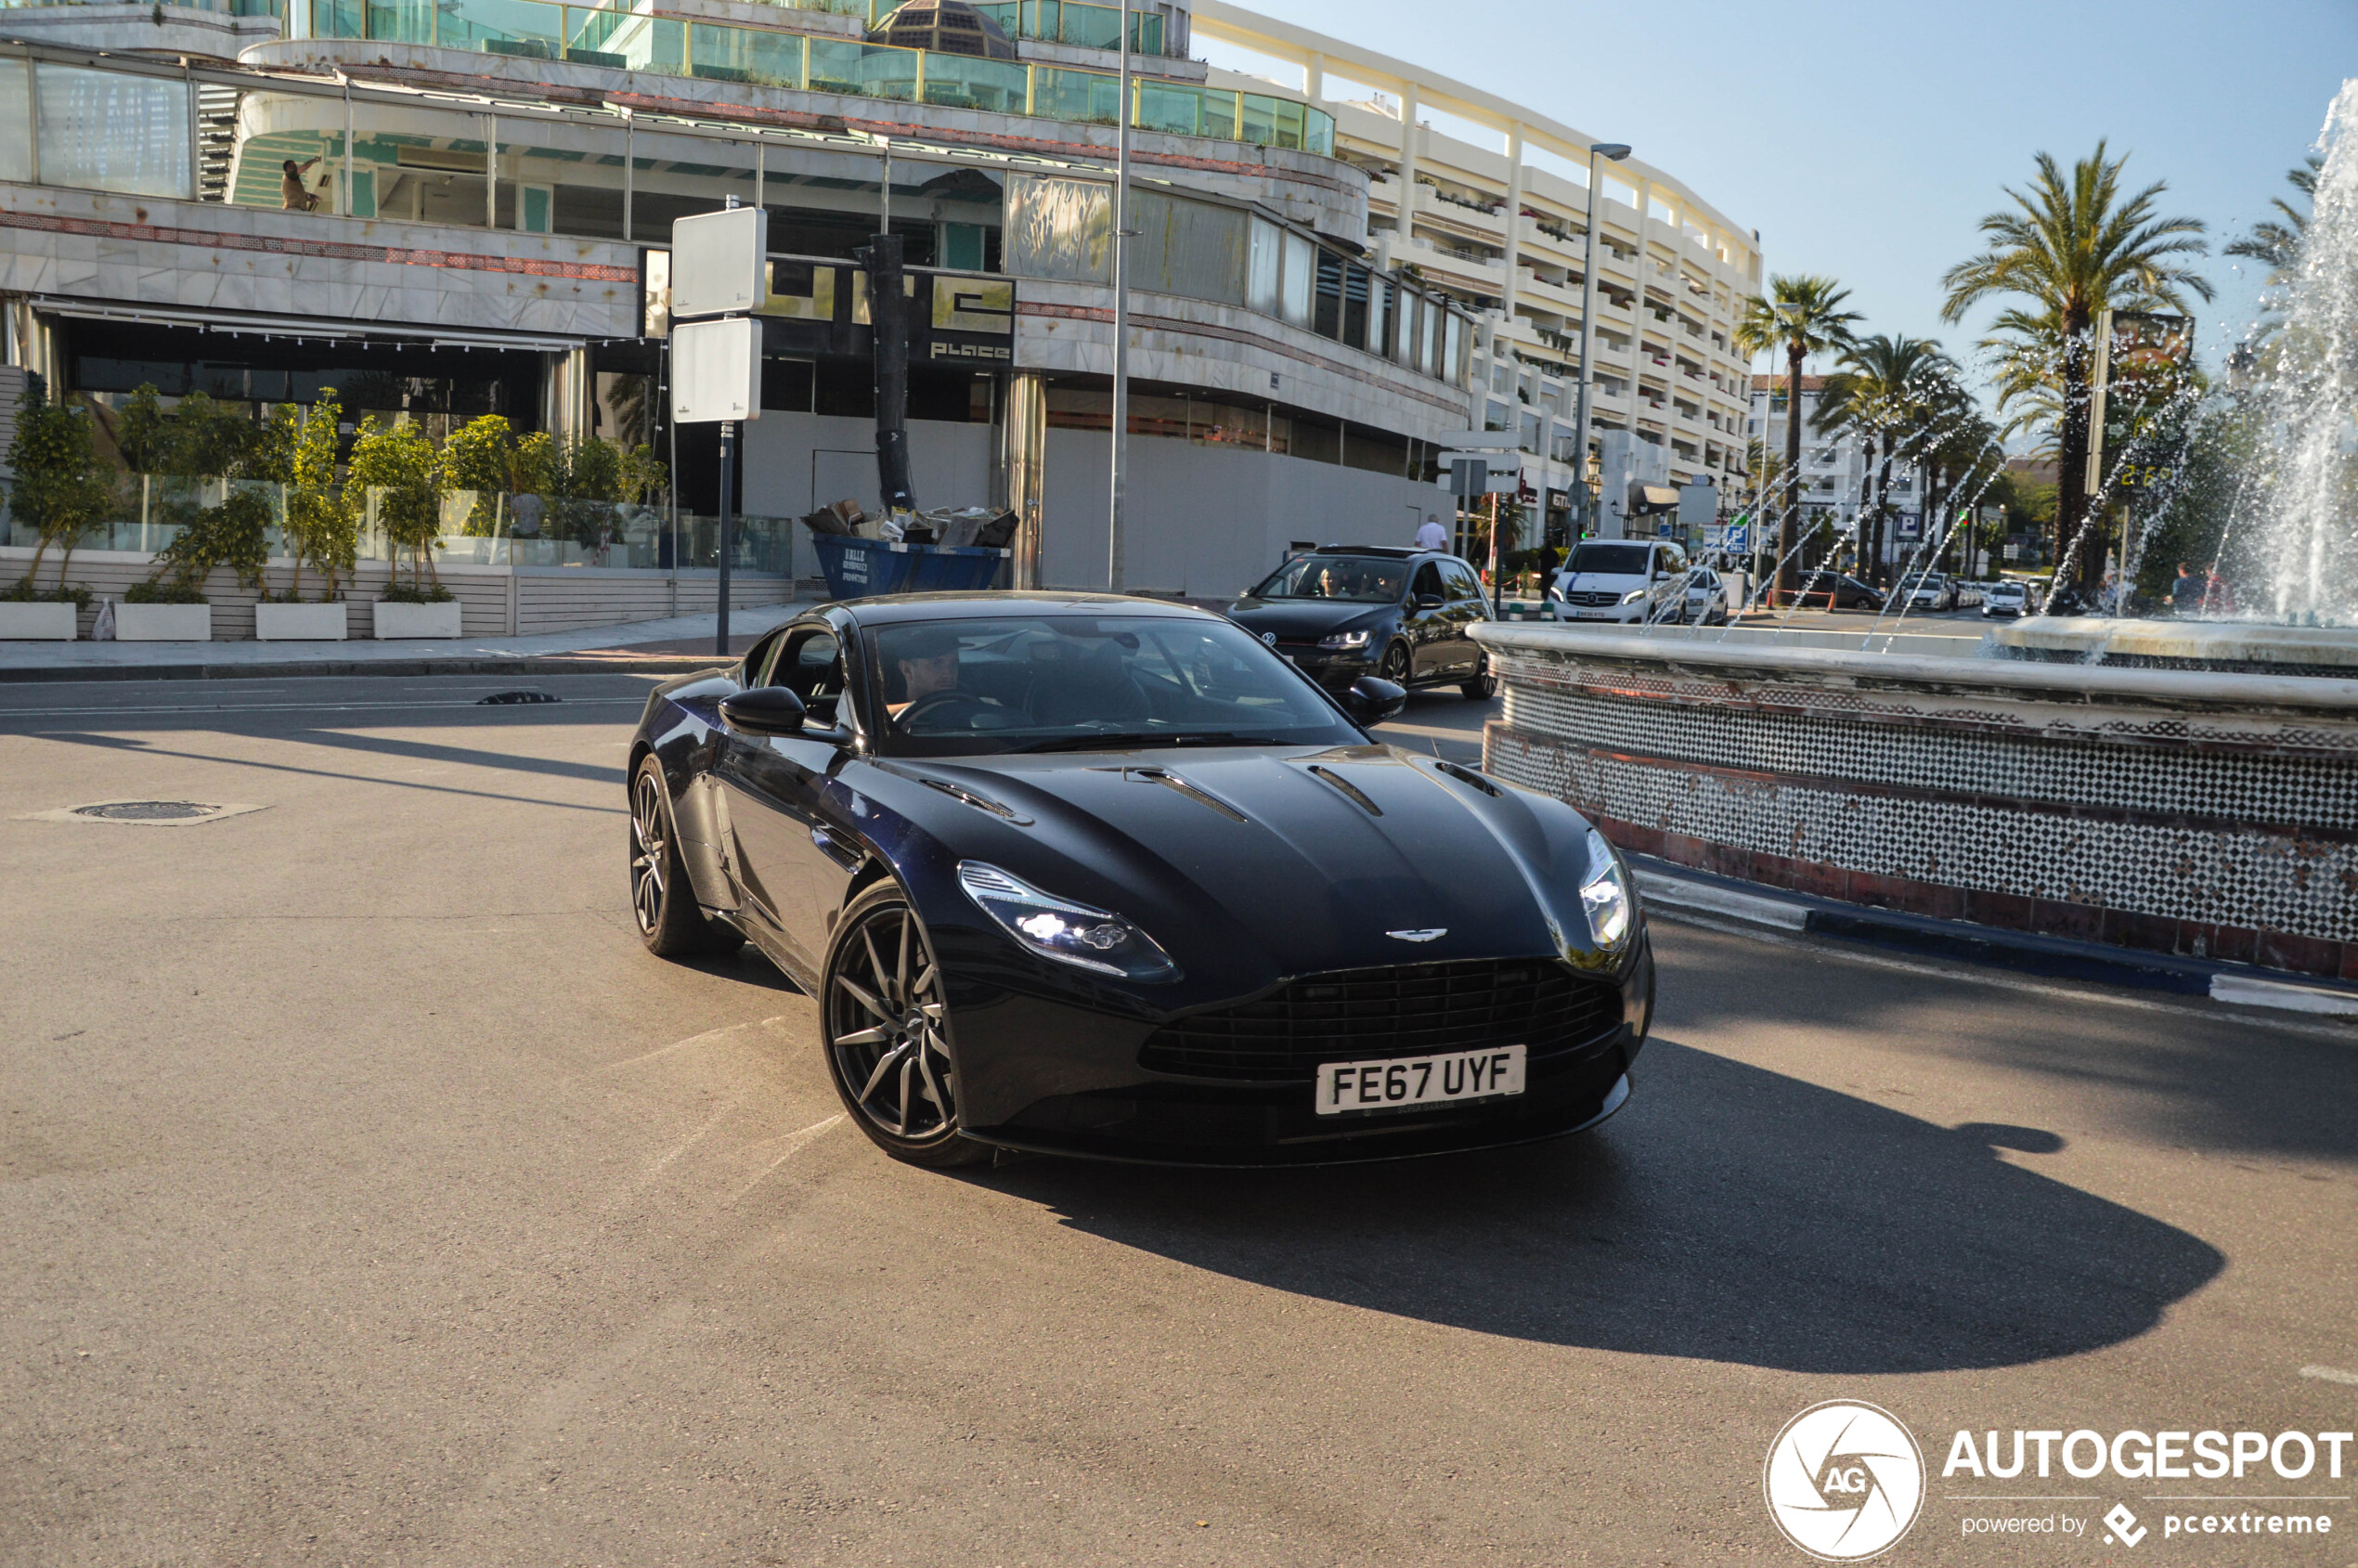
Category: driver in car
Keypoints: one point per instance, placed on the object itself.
(927, 657)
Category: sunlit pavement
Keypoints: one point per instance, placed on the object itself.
(371, 1197)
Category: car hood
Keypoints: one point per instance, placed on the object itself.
(1249, 865)
(1303, 620)
(1601, 582)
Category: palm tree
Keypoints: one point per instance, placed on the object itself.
(1802, 316)
(1883, 390)
(2278, 244)
(2074, 247)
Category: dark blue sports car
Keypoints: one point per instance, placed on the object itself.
(1106, 877)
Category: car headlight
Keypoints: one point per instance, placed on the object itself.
(1341, 640)
(1605, 897)
(1088, 938)
(1634, 595)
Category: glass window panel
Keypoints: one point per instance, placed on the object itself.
(746, 54)
(1263, 290)
(1060, 228)
(401, 21)
(868, 71)
(1192, 248)
(1327, 318)
(105, 132)
(1146, 31)
(1287, 130)
(15, 120)
(1301, 269)
(1167, 106)
(1218, 113)
(1082, 96)
(1452, 347)
(506, 27)
(1257, 119)
(1318, 133)
(969, 82)
(1091, 27)
(645, 42)
(335, 19)
(1007, 14)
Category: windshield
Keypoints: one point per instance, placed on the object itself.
(1087, 684)
(1361, 579)
(1612, 560)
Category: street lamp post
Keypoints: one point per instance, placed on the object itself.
(1116, 552)
(1616, 151)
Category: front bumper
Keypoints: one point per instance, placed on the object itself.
(1334, 668)
(1056, 1079)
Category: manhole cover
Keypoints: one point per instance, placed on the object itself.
(147, 810)
(501, 698)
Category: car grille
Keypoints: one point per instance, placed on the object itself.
(1367, 1015)
(1587, 600)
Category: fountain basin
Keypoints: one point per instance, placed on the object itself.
(2184, 810)
(2229, 646)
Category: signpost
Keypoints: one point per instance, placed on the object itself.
(720, 277)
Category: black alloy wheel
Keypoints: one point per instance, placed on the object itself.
(1485, 685)
(661, 900)
(1395, 667)
(884, 1026)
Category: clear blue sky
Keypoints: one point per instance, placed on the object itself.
(1867, 140)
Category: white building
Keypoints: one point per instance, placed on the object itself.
(1836, 480)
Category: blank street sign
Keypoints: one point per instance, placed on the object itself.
(716, 371)
(720, 263)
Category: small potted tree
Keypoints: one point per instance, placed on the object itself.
(397, 465)
(171, 605)
(62, 490)
(321, 527)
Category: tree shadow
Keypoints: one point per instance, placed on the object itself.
(1728, 1215)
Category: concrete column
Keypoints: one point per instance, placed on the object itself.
(1314, 77)
(1023, 456)
(1514, 221)
(566, 384)
(1408, 224)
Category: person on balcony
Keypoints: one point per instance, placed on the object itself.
(292, 193)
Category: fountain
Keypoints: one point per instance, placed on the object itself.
(2183, 787)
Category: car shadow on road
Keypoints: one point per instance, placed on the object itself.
(1728, 1215)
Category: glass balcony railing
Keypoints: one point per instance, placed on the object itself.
(627, 40)
(1065, 21)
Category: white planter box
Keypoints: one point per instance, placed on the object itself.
(396, 619)
(36, 623)
(163, 623)
(300, 623)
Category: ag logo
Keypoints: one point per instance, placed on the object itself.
(1844, 1481)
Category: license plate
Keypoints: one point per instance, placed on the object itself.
(1407, 1082)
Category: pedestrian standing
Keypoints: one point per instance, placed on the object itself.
(1431, 535)
(2185, 592)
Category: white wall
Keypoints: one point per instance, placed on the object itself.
(948, 465)
(1211, 520)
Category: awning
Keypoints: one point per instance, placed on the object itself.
(1653, 498)
(300, 325)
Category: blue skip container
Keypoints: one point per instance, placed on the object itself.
(858, 568)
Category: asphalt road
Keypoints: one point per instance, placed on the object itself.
(367, 1195)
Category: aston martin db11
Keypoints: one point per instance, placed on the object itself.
(1099, 875)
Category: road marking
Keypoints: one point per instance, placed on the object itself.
(1676, 893)
(707, 1037)
(795, 1141)
(1828, 948)
(2330, 1375)
(6, 713)
(2246, 991)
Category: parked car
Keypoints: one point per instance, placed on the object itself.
(1969, 595)
(1823, 590)
(1932, 591)
(2011, 597)
(1626, 580)
(1106, 877)
(1706, 598)
(1347, 610)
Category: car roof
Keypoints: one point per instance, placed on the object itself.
(1396, 553)
(897, 608)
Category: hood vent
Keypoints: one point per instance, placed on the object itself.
(1357, 797)
(1468, 776)
(979, 801)
(1193, 791)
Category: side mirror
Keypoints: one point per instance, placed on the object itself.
(1430, 601)
(764, 710)
(1372, 699)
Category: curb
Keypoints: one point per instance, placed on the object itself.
(1677, 891)
(282, 670)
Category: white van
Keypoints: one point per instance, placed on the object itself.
(1626, 580)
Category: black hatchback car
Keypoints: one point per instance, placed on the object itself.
(1347, 610)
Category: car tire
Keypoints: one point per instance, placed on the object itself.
(1395, 667)
(662, 900)
(1485, 685)
(884, 1021)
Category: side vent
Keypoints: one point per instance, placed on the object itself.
(1193, 791)
(1357, 797)
(1468, 776)
(979, 801)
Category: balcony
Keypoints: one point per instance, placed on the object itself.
(627, 40)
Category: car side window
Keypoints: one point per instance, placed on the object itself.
(761, 659)
(1462, 581)
(810, 664)
(1674, 560)
(1428, 583)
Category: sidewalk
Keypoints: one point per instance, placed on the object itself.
(681, 643)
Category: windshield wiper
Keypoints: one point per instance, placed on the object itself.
(1113, 740)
